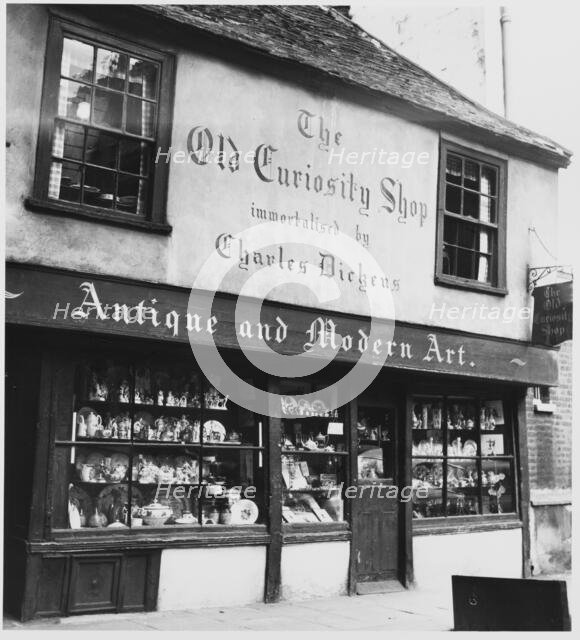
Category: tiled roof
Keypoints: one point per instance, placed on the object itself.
(324, 39)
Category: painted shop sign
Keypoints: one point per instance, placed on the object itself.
(208, 147)
(552, 322)
(68, 301)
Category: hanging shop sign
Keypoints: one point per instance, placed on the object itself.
(552, 322)
(72, 301)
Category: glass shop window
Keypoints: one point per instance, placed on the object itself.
(314, 459)
(471, 217)
(462, 457)
(106, 117)
(151, 444)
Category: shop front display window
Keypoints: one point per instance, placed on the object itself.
(314, 459)
(462, 457)
(152, 444)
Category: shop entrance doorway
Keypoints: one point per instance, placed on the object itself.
(377, 521)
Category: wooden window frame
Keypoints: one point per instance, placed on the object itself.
(480, 521)
(499, 287)
(155, 218)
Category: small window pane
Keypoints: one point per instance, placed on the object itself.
(453, 199)
(74, 100)
(77, 60)
(453, 170)
(486, 209)
(99, 187)
(467, 235)
(135, 157)
(140, 117)
(465, 267)
(111, 69)
(484, 241)
(498, 486)
(128, 194)
(449, 260)
(65, 181)
(108, 109)
(142, 78)
(428, 477)
(488, 180)
(470, 204)
(462, 488)
(471, 177)
(450, 231)
(68, 141)
(101, 149)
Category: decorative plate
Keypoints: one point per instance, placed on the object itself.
(469, 448)
(244, 512)
(120, 458)
(80, 498)
(109, 494)
(214, 431)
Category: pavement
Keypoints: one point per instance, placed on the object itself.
(407, 610)
(412, 610)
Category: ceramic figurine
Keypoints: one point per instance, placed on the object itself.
(195, 431)
(124, 392)
(98, 390)
(160, 398)
(183, 399)
(139, 397)
(195, 401)
(215, 400)
(171, 399)
(107, 431)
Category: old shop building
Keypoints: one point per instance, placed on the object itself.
(102, 408)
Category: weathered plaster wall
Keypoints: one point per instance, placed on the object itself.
(205, 201)
(488, 553)
(314, 570)
(195, 578)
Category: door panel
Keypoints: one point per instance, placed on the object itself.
(377, 522)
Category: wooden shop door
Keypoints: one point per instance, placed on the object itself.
(377, 519)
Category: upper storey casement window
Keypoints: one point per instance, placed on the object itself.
(106, 111)
(471, 220)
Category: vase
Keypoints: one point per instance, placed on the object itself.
(98, 519)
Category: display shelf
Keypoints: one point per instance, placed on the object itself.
(314, 452)
(90, 442)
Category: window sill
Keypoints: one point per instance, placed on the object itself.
(104, 539)
(101, 216)
(471, 285)
(465, 524)
(315, 532)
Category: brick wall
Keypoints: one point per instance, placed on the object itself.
(550, 435)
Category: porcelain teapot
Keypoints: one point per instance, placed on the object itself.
(94, 424)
